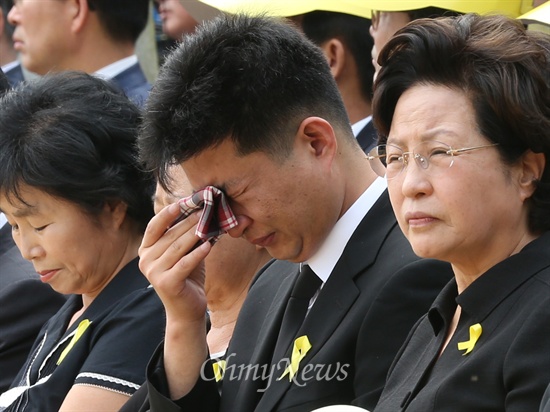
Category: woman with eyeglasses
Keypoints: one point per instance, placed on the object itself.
(463, 109)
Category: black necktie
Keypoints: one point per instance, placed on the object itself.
(304, 289)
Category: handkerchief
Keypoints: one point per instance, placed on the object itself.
(216, 217)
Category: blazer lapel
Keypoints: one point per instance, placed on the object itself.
(341, 290)
(367, 137)
(6, 240)
(339, 293)
(247, 392)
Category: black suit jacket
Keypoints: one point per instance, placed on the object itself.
(134, 84)
(15, 75)
(545, 404)
(367, 137)
(376, 292)
(26, 304)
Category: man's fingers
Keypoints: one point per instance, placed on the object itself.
(162, 222)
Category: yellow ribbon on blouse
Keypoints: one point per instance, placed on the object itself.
(82, 326)
(301, 347)
(219, 369)
(475, 333)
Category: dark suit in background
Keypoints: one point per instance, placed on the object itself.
(376, 292)
(26, 304)
(134, 84)
(367, 137)
(15, 75)
(545, 404)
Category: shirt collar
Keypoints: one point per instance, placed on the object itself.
(324, 260)
(484, 294)
(357, 127)
(3, 220)
(113, 69)
(496, 284)
(9, 66)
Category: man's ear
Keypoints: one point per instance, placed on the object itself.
(79, 13)
(532, 167)
(318, 136)
(335, 52)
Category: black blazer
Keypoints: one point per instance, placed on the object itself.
(508, 368)
(545, 404)
(376, 292)
(134, 84)
(367, 137)
(15, 75)
(26, 304)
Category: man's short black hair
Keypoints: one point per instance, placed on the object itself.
(353, 32)
(250, 79)
(124, 20)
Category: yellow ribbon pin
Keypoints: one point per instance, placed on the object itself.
(475, 333)
(219, 369)
(301, 347)
(82, 326)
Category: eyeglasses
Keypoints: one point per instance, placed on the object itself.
(388, 160)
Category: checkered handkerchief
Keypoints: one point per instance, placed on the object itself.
(216, 216)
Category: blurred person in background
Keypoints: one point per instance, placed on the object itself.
(172, 22)
(8, 56)
(386, 23)
(388, 17)
(345, 41)
(94, 36)
(176, 21)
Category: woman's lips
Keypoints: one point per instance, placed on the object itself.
(419, 219)
(47, 275)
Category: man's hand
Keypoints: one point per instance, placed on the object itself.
(176, 271)
(169, 262)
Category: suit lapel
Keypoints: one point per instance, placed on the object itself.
(367, 137)
(340, 292)
(247, 392)
(6, 240)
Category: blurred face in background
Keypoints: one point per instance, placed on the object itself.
(176, 21)
(41, 33)
(383, 27)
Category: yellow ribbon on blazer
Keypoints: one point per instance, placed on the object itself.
(300, 349)
(219, 369)
(82, 326)
(475, 333)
